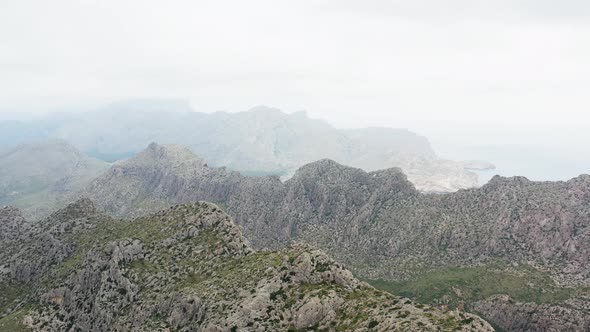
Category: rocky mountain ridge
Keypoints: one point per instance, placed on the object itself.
(327, 194)
(383, 228)
(187, 268)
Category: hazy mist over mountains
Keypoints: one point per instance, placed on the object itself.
(261, 141)
(278, 165)
(527, 151)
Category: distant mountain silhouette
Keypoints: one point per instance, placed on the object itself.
(258, 142)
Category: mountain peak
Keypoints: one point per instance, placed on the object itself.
(324, 165)
(168, 149)
(581, 179)
(266, 110)
(169, 154)
(499, 180)
(262, 140)
(82, 208)
(205, 217)
(327, 168)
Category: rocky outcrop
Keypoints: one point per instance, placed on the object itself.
(35, 247)
(188, 268)
(12, 224)
(517, 316)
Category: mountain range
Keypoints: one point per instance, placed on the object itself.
(262, 141)
(513, 248)
(515, 252)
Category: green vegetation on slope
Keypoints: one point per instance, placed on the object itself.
(13, 321)
(450, 285)
(11, 294)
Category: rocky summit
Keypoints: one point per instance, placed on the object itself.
(513, 239)
(186, 268)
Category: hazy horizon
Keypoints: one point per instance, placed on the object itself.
(465, 74)
(540, 161)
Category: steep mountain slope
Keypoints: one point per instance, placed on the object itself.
(187, 268)
(258, 142)
(526, 239)
(38, 176)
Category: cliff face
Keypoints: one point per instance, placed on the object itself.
(382, 227)
(187, 268)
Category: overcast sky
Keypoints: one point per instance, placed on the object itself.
(436, 67)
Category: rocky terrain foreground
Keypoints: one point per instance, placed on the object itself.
(513, 248)
(187, 268)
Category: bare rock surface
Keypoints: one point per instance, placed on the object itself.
(574, 315)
